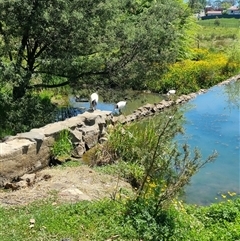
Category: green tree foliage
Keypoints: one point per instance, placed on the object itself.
(224, 3)
(31, 111)
(197, 5)
(118, 43)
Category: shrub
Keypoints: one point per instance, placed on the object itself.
(62, 147)
(216, 22)
(204, 70)
(149, 225)
(221, 213)
(31, 111)
(149, 159)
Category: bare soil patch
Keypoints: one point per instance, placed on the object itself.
(68, 184)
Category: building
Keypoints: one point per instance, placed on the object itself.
(233, 10)
(213, 13)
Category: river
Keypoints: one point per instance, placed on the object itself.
(213, 123)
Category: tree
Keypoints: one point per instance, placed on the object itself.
(217, 4)
(197, 5)
(225, 5)
(107, 42)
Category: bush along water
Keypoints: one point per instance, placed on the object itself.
(157, 168)
(202, 71)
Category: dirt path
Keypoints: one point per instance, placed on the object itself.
(68, 184)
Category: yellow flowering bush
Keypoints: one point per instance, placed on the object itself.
(203, 70)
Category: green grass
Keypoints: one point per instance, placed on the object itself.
(81, 221)
(221, 38)
(223, 22)
(62, 147)
(104, 219)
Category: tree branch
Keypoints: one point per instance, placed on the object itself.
(126, 58)
(40, 51)
(71, 76)
(20, 54)
(63, 83)
(48, 85)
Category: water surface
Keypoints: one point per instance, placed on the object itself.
(213, 124)
(135, 101)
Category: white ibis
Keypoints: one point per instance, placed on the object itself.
(94, 100)
(120, 105)
(171, 92)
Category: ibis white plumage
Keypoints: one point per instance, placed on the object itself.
(121, 105)
(171, 92)
(94, 101)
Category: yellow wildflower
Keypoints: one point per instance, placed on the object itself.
(223, 196)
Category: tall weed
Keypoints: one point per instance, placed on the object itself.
(62, 147)
(149, 159)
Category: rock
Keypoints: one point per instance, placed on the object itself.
(28, 178)
(121, 119)
(22, 184)
(53, 130)
(73, 194)
(32, 136)
(130, 118)
(76, 136)
(90, 135)
(7, 138)
(21, 156)
(79, 150)
(32, 223)
(102, 139)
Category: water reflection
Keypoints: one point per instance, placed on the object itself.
(232, 92)
(86, 105)
(135, 101)
(67, 112)
(213, 124)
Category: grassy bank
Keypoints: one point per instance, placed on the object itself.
(109, 220)
(221, 22)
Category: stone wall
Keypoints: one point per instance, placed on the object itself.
(30, 151)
